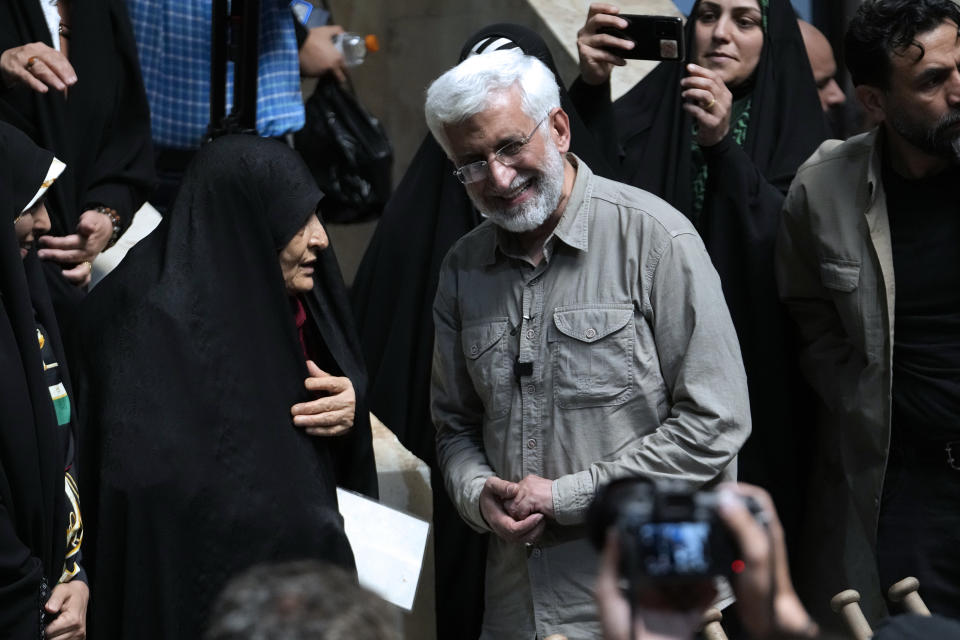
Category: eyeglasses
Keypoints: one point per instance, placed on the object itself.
(507, 155)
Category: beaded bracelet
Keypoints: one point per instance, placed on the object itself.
(114, 219)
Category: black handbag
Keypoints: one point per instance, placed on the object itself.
(348, 152)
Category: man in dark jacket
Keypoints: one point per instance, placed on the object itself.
(872, 217)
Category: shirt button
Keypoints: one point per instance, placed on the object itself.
(474, 349)
(536, 553)
(531, 334)
(531, 388)
(591, 333)
(531, 444)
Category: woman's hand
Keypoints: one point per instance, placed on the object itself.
(331, 414)
(707, 99)
(68, 601)
(38, 66)
(596, 64)
(78, 249)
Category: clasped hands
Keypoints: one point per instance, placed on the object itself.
(517, 511)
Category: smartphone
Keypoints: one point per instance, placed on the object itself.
(655, 38)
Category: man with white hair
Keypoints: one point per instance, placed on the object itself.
(581, 336)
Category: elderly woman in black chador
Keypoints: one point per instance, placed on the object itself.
(42, 584)
(204, 445)
(720, 139)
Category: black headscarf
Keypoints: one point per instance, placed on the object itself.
(652, 144)
(393, 301)
(193, 362)
(32, 511)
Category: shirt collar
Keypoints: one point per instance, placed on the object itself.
(573, 228)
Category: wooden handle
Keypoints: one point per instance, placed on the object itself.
(712, 629)
(847, 604)
(906, 591)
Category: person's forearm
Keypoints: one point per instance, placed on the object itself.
(465, 468)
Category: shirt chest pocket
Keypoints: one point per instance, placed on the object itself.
(592, 354)
(842, 279)
(488, 363)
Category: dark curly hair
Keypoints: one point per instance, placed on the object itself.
(884, 27)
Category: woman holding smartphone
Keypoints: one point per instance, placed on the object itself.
(720, 138)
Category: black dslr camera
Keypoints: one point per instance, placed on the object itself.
(666, 534)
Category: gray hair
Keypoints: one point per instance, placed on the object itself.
(468, 88)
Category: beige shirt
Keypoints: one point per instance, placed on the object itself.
(628, 364)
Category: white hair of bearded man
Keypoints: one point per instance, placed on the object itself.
(468, 88)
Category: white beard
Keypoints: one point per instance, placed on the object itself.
(529, 215)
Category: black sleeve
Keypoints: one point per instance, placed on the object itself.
(124, 172)
(21, 581)
(735, 178)
(595, 107)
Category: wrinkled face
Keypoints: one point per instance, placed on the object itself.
(298, 258)
(32, 223)
(522, 196)
(728, 38)
(923, 102)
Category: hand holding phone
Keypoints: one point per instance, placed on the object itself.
(593, 47)
(607, 38)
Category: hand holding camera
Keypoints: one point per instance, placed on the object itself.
(664, 546)
(766, 600)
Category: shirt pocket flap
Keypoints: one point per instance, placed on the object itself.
(477, 339)
(592, 324)
(840, 275)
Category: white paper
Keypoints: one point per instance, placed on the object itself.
(388, 546)
(144, 221)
